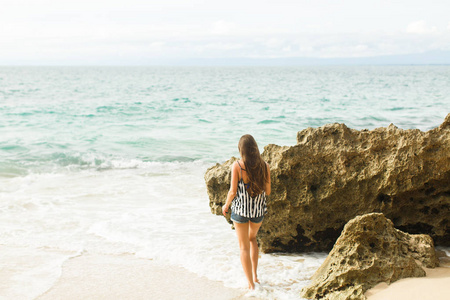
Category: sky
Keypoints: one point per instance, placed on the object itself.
(137, 31)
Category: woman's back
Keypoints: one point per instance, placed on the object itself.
(243, 175)
(245, 203)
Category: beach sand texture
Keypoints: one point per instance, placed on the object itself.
(127, 277)
(436, 285)
(95, 276)
(90, 276)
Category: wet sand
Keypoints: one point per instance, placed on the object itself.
(94, 276)
(127, 277)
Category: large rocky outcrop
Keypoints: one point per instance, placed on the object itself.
(335, 173)
(369, 251)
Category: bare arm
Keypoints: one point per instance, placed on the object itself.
(233, 187)
(268, 188)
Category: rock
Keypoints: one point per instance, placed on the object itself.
(335, 173)
(369, 251)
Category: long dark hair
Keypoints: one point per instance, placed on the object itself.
(254, 164)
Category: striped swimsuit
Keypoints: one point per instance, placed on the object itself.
(245, 205)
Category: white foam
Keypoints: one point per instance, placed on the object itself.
(156, 210)
(29, 272)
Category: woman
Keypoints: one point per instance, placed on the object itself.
(250, 183)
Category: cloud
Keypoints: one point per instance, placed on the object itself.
(420, 27)
(99, 40)
(222, 27)
(274, 43)
(139, 46)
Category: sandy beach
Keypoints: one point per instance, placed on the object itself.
(436, 285)
(94, 276)
(127, 277)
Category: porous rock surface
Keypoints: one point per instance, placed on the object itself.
(369, 251)
(335, 173)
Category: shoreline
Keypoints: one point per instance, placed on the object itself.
(105, 276)
(101, 276)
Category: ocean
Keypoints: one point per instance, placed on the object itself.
(110, 160)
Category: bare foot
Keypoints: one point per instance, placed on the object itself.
(251, 286)
(256, 278)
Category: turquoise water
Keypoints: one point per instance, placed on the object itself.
(111, 160)
(61, 115)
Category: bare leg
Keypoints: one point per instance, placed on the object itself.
(242, 231)
(254, 250)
